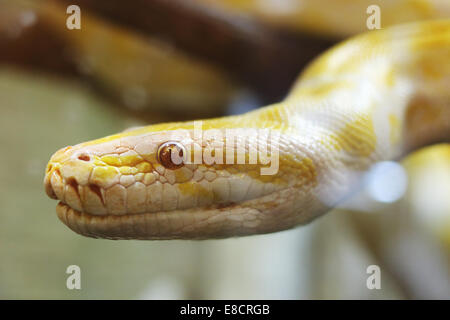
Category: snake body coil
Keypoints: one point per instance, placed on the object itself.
(375, 97)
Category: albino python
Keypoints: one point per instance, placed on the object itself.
(374, 97)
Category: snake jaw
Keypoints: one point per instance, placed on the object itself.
(268, 214)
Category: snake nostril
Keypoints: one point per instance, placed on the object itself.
(84, 157)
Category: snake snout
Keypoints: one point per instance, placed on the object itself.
(53, 178)
(49, 188)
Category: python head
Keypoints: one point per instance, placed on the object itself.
(173, 181)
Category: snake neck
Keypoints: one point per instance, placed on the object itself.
(380, 95)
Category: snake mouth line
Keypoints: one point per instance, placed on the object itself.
(135, 199)
(132, 226)
(218, 221)
(149, 226)
(103, 226)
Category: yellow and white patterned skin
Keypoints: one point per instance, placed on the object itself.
(374, 97)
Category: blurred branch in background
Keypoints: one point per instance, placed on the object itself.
(263, 57)
(325, 19)
(142, 74)
(184, 60)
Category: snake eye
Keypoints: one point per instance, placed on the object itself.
(171, 155)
